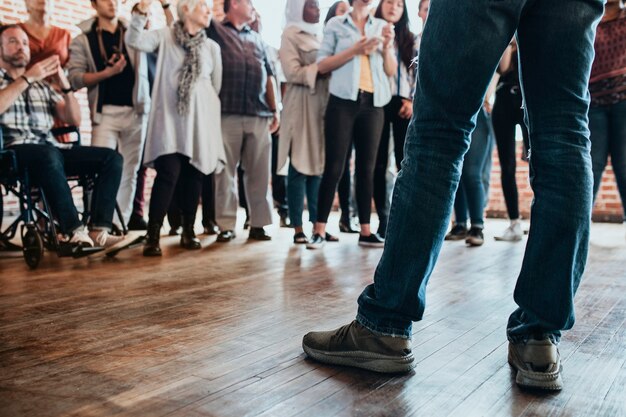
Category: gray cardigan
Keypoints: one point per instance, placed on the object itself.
(81, 62)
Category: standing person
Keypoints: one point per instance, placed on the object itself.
(306, 94)
(357, 49)
(347, 221)
(44, 39)
(137, 221)
(180, 146)
(607, 116)
(116, 77)
(380, 337)
(400, 109)
(508, 113)
(422, 13)
(249, 116)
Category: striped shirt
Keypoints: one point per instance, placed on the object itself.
(30, 117)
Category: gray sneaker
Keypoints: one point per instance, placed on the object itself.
(355, 345)
(538, 364)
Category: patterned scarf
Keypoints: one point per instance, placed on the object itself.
(191, 64)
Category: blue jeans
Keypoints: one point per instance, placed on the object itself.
(48, 167)
(555, 73)
(471, 196)
(297, 186)
(608, 137)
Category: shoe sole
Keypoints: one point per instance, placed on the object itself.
(364, 360)
(371, 245)
(501, 239)
(474, 242)
(314, 246)
(537, 380)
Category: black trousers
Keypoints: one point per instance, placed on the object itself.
(399, 126)
(507, 113)
(176, 178)
(348, 122)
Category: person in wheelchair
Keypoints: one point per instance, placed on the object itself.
(28, 105)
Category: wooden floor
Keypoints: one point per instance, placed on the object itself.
(217, 332)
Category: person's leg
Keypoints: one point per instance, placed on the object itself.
(618, 148)
(226, 200)
(380, 168)
(208, 201)
(438, 137)
(279, 185)
(130, 145)
(312, 192)
(139, 201)
(400, 127)
(256, 164)
(338, 128)
(46, 168)
(296, 184)
(190, 182)
(343, 191)
(504, 111)
(472, 177)
(367, 133)
(107, 165)
(560, 163)
(168, 168)
(599, 135)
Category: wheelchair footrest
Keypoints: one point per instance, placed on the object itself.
(6, 246)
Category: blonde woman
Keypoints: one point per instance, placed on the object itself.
(184, 140)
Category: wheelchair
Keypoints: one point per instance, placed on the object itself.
(35, 222)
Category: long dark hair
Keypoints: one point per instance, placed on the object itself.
(405, 39)
(332, 11)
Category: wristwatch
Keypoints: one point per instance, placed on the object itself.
(67, 90)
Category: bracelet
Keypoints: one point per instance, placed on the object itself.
(25, 78)
(165, 5)
(67, 90)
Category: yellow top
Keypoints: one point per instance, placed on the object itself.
(366, 82)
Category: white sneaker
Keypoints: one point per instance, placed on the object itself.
(81, 237)
(513, 233)
(104, 239)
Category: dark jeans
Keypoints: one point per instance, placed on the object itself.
(451, 82)
(299, 185)
(176, 178)
(347, 121)
(344, 189)
(608, 137)
(399, 126)
(48, 168)
(471, 194)
(279, 182)
(507, 113)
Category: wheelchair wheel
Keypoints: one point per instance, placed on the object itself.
(32, 245)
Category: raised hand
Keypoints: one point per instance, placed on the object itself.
(366, 46)
(144, 5)
(388, 34)
(43, 69)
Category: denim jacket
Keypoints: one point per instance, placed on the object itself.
(340, 34)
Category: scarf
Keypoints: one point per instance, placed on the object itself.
(191, 64)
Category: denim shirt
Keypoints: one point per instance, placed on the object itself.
(340, 34)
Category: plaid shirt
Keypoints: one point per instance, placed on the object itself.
(246, 68)
(30, 117)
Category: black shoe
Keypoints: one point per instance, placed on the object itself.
(331, 238)
(316, 242)
(371, 241)
(137, 223)
(175, 231)
(382, 227)
(226, 236)
(246, 224)
(258, 233)
(188, 239)
(152, 248)
(211, 228)
(458, 232)
(300, 238)
(475, 237)
(345, 226)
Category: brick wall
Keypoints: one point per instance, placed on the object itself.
(69, 12)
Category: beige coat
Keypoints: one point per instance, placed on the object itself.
(304, 104)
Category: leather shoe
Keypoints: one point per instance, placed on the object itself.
(258, 233)
(211, 229)
(226, 236)
(346, 227)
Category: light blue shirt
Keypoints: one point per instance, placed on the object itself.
(340, 34)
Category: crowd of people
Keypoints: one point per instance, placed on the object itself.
(220, 116)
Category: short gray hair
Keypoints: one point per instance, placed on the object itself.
(190, 4)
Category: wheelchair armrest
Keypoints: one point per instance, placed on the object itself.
(66, 130)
